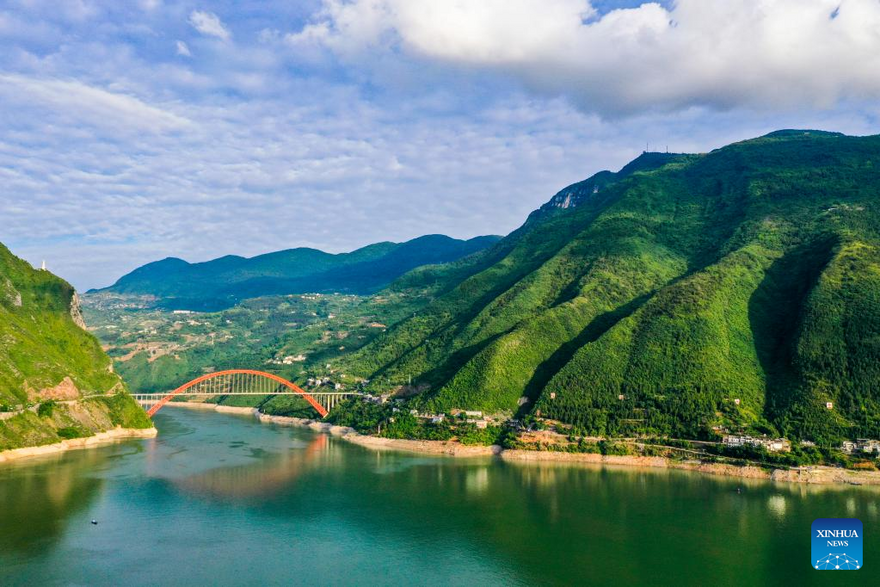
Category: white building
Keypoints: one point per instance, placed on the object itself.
(866, 445)
(772, 445)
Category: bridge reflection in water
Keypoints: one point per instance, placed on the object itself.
(243, 382)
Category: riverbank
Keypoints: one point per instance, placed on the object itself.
(815, 475)
(433, 447)
(811, 475)
(99, 438)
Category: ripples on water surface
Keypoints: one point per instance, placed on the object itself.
(223, 500)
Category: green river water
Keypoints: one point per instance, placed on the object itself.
(224, 500)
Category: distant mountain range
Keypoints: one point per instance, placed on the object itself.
(223, 282)
(684, 295)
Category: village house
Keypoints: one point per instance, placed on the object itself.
(778, 445)
(733, 440)
(866, 445)
(772, 445)
(434, 418)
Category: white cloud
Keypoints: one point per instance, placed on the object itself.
(74, 102)
(183, 49)
(209, 24)
(327, 171)
(384, 123)
(717, 53)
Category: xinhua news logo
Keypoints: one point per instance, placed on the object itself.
(836, 544)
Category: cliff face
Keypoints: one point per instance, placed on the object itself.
(55, 381)
(76, 312)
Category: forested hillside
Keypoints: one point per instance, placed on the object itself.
(684, 295)
(223, 282)
(50, 364)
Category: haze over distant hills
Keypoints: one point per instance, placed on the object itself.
(223, 282)
(683, 295)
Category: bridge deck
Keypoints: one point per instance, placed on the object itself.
(244, 382)
(208, 394)
(328, 399)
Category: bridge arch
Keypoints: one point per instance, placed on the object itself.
(232, 372)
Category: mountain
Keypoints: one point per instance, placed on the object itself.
(683, 295)
(50, 363)
(223, 282)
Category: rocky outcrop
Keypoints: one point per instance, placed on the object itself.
(76, 312)
(66, 390)
(9, 294)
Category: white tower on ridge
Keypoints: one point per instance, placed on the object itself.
(44, 265)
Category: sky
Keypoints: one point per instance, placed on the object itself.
(132, 131)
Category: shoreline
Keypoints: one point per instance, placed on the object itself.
(99, 438)
(814, 475)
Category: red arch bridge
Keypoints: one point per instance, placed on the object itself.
(243, 382)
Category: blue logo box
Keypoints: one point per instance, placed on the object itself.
(836, 544)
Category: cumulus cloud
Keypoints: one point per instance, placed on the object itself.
(716, 53)
(209, 24)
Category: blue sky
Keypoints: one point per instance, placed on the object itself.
(131, 131)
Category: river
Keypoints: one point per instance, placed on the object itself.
(224, 500)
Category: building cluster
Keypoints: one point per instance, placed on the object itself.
(433, 418)
(474, 417)
(771, 444)
(320, 381)
(864, 445)
(468, 416)
(288, 360)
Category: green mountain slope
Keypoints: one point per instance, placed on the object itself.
(223, 282)
(48, 360)
(651, 300)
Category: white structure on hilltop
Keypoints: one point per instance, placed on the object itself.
(43, 267)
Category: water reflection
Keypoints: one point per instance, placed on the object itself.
(776, 505)
(292, 503)
(265, 477)
(38, 497)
